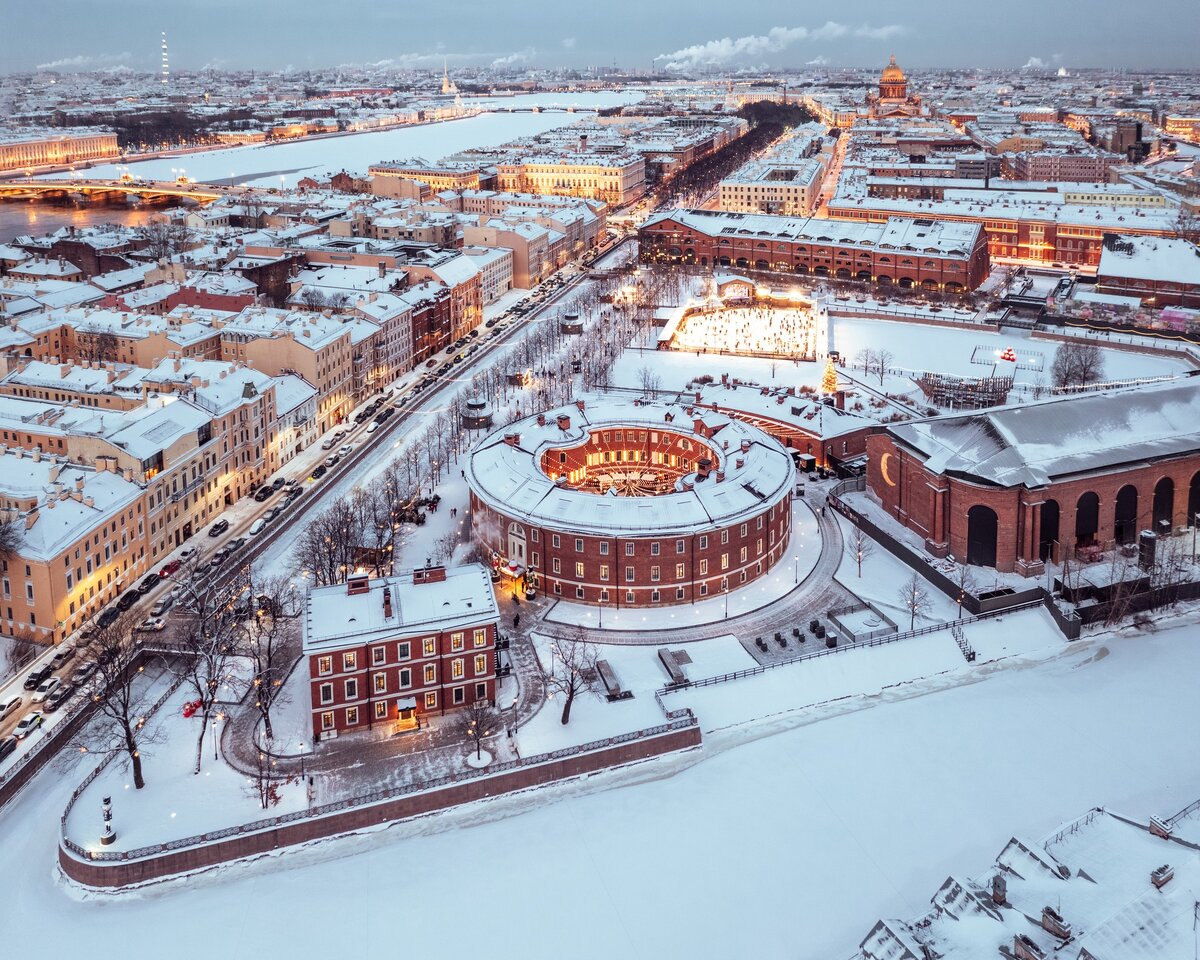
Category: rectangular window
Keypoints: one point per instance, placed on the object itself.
(481, 691)
(629, 574)
(679, 593)
(679, 546)
(742, 555)
(654, 549)
(324, 665)
(349, 661)
(743, 530)
(654, 573)
(430, 646)
(629, 549)
(430, 700)
(604, 571)
(578, 570)
(327, 721)
(604, 548)
(579, 544)
(456, 642)
(459, 695)
(326, 693)
(378, 656)
(555, 565)
(381, 710)
(351, 689)
(554, 540)
(724, 536)
(654, 598)
(679, 571)
(402, 651)
(457, 668)
(724, 561)
(704, 542)
(352, 716)
(480, 664)
(380, 681)
(430, 673)
(703, 567)
(405, 678)
(481, 638)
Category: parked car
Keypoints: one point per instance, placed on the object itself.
(81, 674)
(218, 528)
(128, 599)
(281, 482)
(162, 606)
(64, 656)
(219, 557)
(430, 364)
(45, 688)
(235, 544)
(169, 568)
(28, 724)
(151, 625)
(272, 513)
(35, 679)
(263, 493)
(257, 527)
(331, 460)
(61, 694)
(319, 472)
(10, 708)
(107, 617)
(372, 427)
(7, 746)
(186, 554)
(148, 584)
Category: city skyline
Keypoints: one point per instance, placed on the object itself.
(669, 38)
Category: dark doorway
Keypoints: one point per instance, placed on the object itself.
(1049, 530)
(1125, 515)
(981, 536)
(1087, 519)
(1164, 506)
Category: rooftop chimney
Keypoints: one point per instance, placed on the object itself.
(357, 584)
(564, 422)
(387, 602)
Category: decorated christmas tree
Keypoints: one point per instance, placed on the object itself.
(829, 381)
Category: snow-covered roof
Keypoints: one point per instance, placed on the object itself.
(335, 618)
(1150, 258)
(1039, 443)
(509, 478)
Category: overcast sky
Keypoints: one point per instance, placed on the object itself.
(680, 34)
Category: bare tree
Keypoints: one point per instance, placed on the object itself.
(883, 361)
(11, 533)
(914, 598)
(865, 358)
(573, 670)
(859, 546)
(650, 381)
(118, 693)
(478, 721)
(274, 607)
(266, 778)
(22, 651)
(208, 635)
(102, 345)
(964, 579)
(166, 237)
(1077, 364)
(312, 298)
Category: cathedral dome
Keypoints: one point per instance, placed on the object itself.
(892, 73)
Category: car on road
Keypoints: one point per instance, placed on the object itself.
(319, 472)
(186, 554)
(372, 427)
(28, 724)
(344, 449)
(430, 364)
(332, 459)
(10, 708)
(170, 568)
(272, 513)
(148, 584)
(257, 527)
(107, 617)
(64, 656)
(281, 482)
(218, 528)
(45, 688)
(127, 600)
(219, 557)
(61, 694)
(491, 323)
(7, 746)
(162, 606)
(82, 674)
(263, 493)
(151, 625)
(235, 544)
(34, 680)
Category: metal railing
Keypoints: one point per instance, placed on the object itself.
(351, 803)
(1074, 826)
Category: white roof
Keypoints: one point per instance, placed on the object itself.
(335, 619)
(1150, 258)
(509, 477)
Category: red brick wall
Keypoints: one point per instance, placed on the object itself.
(120, 874)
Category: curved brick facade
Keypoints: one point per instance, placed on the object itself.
(684, 527)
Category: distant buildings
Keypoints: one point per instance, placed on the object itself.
(22, 151)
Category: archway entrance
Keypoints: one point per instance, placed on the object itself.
(981, 536)
(1048, 536)
(1193, 499)
(1125, 515)
(1087, 519)
(1164, 506)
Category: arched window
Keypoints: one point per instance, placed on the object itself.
(982, 525)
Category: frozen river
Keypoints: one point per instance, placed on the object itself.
(284, 164)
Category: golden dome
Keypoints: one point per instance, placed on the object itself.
(892, 72)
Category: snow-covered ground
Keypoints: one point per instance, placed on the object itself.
(175, 801)
(809, 830)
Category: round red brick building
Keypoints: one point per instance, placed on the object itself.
(631, 503)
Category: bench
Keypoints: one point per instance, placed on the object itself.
(673, 670)
(612, 685)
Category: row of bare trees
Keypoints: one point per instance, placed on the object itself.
(247, 621)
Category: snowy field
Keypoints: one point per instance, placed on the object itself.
(813, 829)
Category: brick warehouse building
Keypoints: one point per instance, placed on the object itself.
(1012, 487)
(631, 503)
(907, 253)
(385, 651)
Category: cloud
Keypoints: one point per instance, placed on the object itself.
(568, 43)
(512, 59)
(1034, 63)
(817, 62)
(728, 49)
(86, 62)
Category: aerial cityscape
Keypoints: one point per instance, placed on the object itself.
(648, 481)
